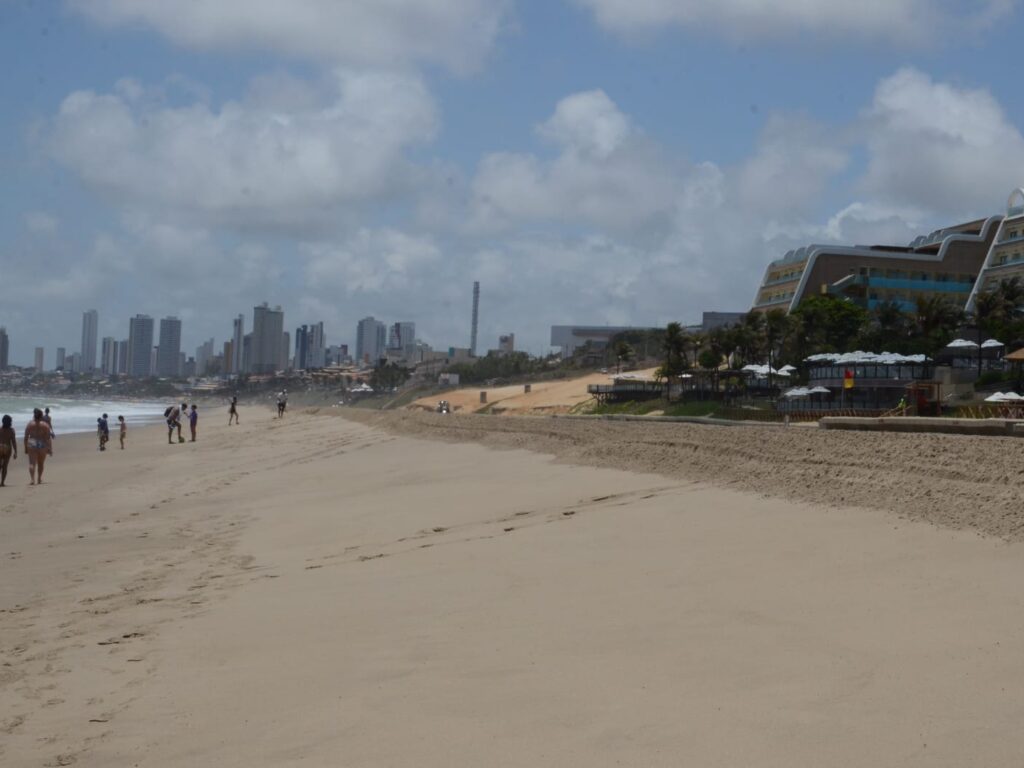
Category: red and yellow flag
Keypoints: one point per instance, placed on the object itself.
(847, 379)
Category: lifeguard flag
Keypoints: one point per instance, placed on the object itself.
(847, 379)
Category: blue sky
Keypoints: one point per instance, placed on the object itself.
(590, 161)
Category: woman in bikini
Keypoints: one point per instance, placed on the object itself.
(8, 447)
(38, 445)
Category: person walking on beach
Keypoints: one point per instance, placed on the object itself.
(8, 447)
(124, 430)
(282, 404)
(38, 445)
(193, 420)
(173, 415)
(233, 411)
(104, 430)
(49, 422)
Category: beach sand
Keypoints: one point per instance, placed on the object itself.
(544, 397)
(318, 591)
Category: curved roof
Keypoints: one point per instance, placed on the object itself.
(1016, 199)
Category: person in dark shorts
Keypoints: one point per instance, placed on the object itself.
(8, 447)
(193, 420)
(233, 411)
(173, 416)
(103, 427)
(38, 445)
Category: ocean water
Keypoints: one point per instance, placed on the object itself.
(80, 415)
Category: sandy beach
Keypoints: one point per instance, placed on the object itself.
(416, 590)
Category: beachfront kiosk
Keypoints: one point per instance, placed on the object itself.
(872, 381)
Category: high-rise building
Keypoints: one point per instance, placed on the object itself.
(247, 353)
(140, 346)
(229, 358)
(61, 354)
(302, 348)
(476, 319)
(39, 359)
(204, 354)
(237, 345)
(267, 337)
(402, 336)
(317, 353)
(168, 356)
(90, 324)
(108, 356)
(5, 349)
(73, 362)
(310, 349)
(370, 338)
(507, 344)
(122, 357)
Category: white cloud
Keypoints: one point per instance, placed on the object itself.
(938, 147)
(454, 33)
(896, 20)
(795, 160)
(253, 163)
(607, 173)
(588, 123)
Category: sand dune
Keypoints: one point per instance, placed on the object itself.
(322, 592)
(545, 397)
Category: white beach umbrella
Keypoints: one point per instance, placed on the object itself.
(961, 344)
(819, 391)
(797, 392)
(992, 344)
(996, 397)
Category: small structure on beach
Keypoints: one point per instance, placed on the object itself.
(871, 381)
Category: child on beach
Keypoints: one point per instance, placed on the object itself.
(8, 447)
(193, 419)
(233, 411)
(124, 430)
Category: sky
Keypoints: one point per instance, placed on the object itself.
(623, 162)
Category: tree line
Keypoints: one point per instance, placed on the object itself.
(827, 323)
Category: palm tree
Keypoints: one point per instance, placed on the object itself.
(936, 321)
(889, 327)
(776, 329)
(988, 313)
(673, 347)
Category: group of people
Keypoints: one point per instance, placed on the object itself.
(103, 431)
(177, 414)
(38, 444)
(39, 434)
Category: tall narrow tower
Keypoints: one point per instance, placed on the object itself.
(476, 318)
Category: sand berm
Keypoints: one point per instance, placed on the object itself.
(959, 482)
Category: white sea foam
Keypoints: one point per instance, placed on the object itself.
(71, 416)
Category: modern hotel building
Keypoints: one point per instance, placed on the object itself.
(945, 263)
(1005, 257)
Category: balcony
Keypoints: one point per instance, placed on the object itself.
(908, 284)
